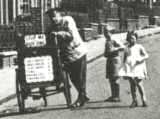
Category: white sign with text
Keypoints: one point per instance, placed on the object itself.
(38, 69)
(35, 40)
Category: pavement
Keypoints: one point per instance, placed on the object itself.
(95, 50)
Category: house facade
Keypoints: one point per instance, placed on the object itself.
(10, 9)
(96, 10)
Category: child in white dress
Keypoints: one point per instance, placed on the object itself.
(135, 68)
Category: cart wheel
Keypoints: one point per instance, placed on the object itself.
(20, 96)
(67, 92)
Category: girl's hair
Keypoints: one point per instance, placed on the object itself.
(130, 34)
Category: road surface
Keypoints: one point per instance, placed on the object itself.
(98, 90)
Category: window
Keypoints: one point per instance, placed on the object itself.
(25, 6)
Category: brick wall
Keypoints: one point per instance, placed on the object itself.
(132, 24)
(7, 37)
(143, 21)
(156, 10)
(155, 20)
(142, 10)
(75, 5)
(82, 19)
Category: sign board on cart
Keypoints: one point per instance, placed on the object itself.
(36, 40)
(38, 69)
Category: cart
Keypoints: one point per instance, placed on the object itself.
(39, 67)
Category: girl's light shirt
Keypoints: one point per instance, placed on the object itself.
(131, 68)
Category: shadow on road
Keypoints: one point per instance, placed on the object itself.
(98, 101)
(55, 107)
(9, 112)
(14, 112)
(88, 106)
(106, 107)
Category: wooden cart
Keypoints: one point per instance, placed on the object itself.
(39, 67)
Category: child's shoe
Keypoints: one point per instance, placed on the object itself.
(134, 104)
(109, 99)
(116, 99)
(144, 104)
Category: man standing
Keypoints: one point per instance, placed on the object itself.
(113, 64)
(72, 51)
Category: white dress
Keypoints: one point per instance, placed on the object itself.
(131, 68)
